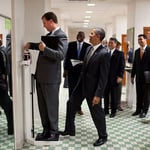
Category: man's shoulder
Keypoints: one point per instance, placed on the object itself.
(87, 44)
(60, 33)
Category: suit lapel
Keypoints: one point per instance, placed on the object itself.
(95, 53)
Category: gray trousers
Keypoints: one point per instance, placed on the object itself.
(48, 102)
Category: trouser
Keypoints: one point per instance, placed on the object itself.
(119, 95)
(143, 97)
(6, 104)
(72, 82)
(111, 97)
(97, 113)
(48, 102)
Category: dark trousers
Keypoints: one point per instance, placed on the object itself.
(111, 97)
(119, 95)
(96, 111)
(72, 82)
(142, 97)
(48, 102)
(6, 104)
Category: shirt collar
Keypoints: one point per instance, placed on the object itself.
(143, 47)
(96, 46)
(55, 30)
(112, 51)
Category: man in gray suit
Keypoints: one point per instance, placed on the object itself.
(48, 76)
(91, 85)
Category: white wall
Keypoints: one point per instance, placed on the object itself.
(121, 26)
(17, 51)
(3, 29)
(5, 11)
(5, 8)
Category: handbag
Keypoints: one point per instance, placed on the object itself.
(147, 77)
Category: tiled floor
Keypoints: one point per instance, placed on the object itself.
(125, 132)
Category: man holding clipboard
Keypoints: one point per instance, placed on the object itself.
(48, 75)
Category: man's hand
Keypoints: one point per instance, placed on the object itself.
(132, 80)
(42, 46)
(96, 100)
(65, 74)
(119, 79)
(27, 46)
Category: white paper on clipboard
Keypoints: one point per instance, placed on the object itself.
(75, 62)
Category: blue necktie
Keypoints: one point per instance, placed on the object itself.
(79, 49)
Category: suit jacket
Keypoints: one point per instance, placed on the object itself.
(94, 74)
(48, 69)
(141, 65)
(117, 64)
(72, 54)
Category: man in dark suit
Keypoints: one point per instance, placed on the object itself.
(48, 77)
(114, 79)
(141, 64)
(119, 108)
(91, 86)
(5, 101)
(76, 50)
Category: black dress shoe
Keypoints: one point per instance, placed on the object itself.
(135, 113)
(10, 131)
(64, 133)
(106, 113)
(112, 115)
(120, 109)
(42, 136)
(142, 115)
(53, 137)
(100, 141)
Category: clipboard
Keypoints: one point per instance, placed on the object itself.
(50, 41)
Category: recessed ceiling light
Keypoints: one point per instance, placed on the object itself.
(88, 17)
(89, 12)
(86, 20)
(90, 4)
(85, 23)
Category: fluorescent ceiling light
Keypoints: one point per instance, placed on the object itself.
(88, 17)
(89, 12)
(85, 23)
(86, 20)
(90, 4)
(85, 26)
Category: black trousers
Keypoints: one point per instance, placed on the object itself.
(6, 104)
(142, 97)
(48, 102)
(72, 82)
(111, 97)
(97, 113)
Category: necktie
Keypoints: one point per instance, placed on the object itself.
(79, 49)
(89, 54)
(109, 53)
(141, 53)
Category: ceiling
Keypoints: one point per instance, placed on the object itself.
(104, 11)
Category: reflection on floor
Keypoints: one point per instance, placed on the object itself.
(125, 133)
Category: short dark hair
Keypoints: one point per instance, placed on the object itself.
(81, 34)
(49, 16)
(143, 35)
(113, 39)
(100, 32)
